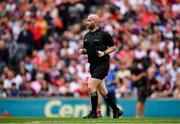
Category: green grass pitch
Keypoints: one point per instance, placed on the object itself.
(37, 120)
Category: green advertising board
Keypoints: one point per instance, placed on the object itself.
(70, 107)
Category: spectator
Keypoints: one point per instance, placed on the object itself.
(25, 38)
(111, 87)
(4, 56)
(3, 93)
(39, 84)
(140, 81)
(176, 93)
(25, 89)
(10, 79)
(13, 91)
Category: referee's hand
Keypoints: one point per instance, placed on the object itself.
(82, 51)
(100, 53)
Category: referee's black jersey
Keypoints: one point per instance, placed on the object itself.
(97, 41)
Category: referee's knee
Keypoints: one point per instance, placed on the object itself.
(91, 89)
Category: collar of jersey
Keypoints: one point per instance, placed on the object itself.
(95, 30)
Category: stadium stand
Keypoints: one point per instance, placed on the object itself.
(39, 42)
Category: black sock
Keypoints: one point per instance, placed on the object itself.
(110, 102)
(94, 101)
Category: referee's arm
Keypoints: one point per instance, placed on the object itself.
(107, 51)
(110, 50)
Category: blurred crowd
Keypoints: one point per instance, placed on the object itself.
(40, 39)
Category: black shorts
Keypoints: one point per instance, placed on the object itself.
(99, 71)
(142, 94)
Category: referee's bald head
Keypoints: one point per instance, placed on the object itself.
(94, 17)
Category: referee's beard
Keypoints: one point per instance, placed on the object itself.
(91, 27)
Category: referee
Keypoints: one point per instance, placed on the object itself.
(98, 45)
